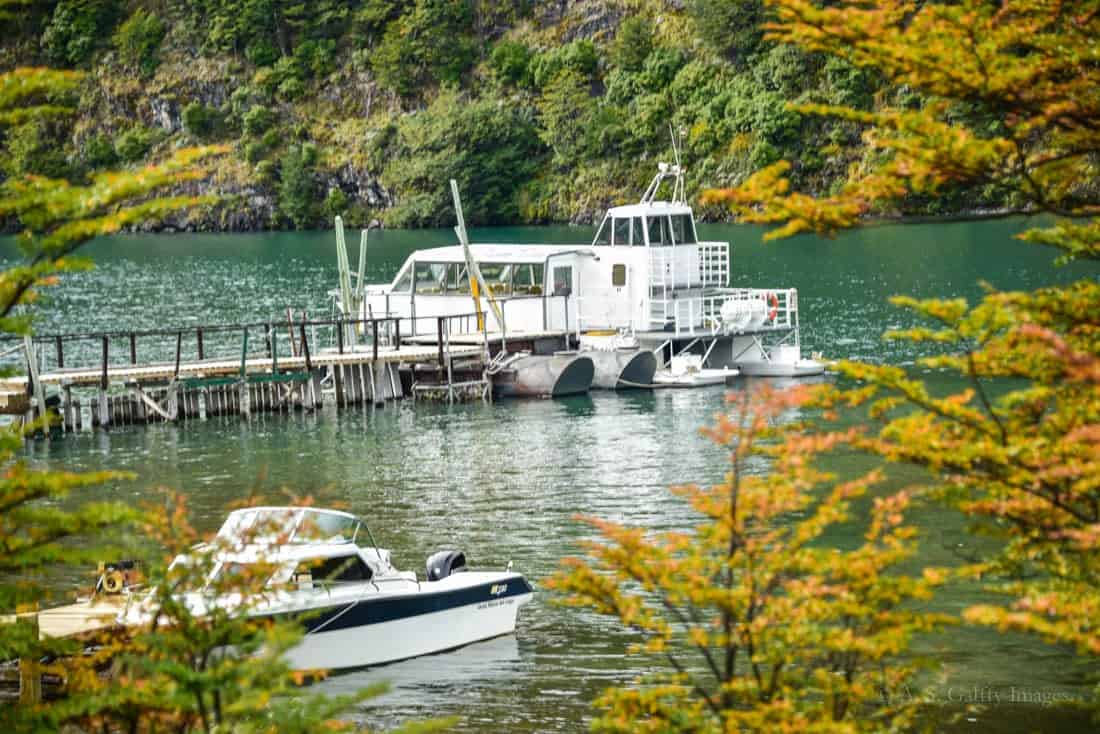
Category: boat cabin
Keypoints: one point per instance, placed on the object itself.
(300, 547)
(645, 271)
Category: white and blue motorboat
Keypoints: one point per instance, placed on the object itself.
(356, 608)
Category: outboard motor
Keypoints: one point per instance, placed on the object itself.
(444, 563)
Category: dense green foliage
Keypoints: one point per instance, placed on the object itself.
(138, 40)
(296, 186)
(488, 149)
(593, 88)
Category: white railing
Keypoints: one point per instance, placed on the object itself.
(714, 264)
(771, 309)
(705, 264)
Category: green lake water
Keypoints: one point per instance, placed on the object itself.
(504, 481)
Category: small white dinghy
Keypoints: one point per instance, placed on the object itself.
(358, 610)
(687, 370)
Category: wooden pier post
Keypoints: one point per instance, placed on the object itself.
(35, 384)
(67, 422)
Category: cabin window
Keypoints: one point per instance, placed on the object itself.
(636, 236)
(622, 232)
(527, 279)
(563, 281)
(232, 576)
(659, 233)
(404, 281)
(603, 237)
(340, 569)
(683, 229)
(618, 275)
(458, 280)
(498, 278)
(430, 278)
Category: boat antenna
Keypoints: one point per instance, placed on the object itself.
(678, 196)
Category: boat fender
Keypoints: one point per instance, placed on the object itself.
(773, 302)
(443, 563)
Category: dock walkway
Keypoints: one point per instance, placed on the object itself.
(295, 366)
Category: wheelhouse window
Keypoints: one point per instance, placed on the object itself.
(430, 278)
(603, 236)
(404, 281)
(637, 238)
(622, 232)
(683, 229)
(659, 232)
(527, 279)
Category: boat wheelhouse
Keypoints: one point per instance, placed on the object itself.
(646, 274)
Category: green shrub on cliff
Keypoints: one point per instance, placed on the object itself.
(77, 28)
(138, 41)
(511, 63)
(491, 149)
(579, 56)
(134, 144)
(297, 184)
(201, 122)
(633, 43)
(731, 27)
(33, 149)
(566, 113)
(429, 43)
(257, 120)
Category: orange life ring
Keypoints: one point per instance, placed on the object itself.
(773, 301)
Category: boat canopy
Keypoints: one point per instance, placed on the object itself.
(290, 525)
(494, 253)
(508, 270)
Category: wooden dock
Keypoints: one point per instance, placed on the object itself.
(297, 365)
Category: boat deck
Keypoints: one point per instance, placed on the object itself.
(476, 338)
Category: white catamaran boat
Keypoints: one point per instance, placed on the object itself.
(357, 609)
(645, 277)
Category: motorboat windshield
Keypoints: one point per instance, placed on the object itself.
(289, 525)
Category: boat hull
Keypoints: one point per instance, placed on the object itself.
(623, 369)
(376, 631)
(799, 368)
(544, 376)
(700, 378)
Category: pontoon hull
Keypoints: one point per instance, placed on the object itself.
(377, 631)
(544, 376)
(623, 369)
(801, 368)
